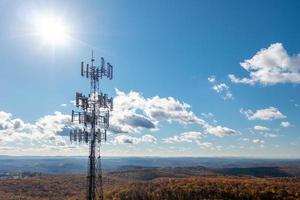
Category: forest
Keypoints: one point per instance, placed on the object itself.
(154, 184)
(195, 188)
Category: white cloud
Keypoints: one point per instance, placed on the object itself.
(7, 123)
(208, 115)
(149, 138)
(211, 79)
(127, 139)
(194, 136)
(265, 131)
(261, 128)
(285, 124)
(270, 113)
(221, 131)
(63, 105)
(133, 113)
(48, 130)
(220, 88)
(259, 142)
(184, 137)
(206, 144)
(271, 66)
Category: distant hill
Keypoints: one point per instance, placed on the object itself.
(59, 165)
(140, 173)
(261, 171)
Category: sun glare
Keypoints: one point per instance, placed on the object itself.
(52, 30)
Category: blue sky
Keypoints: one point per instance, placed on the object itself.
(159, 49)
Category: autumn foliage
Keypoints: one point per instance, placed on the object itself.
(195, 188)
(72, 187)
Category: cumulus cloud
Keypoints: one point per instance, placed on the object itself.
(188, 137)
(261, 128)
(270, 66)
(270, 113)
(149, 138)
(285, 124)
(7, 123)
(195, 136)
(134, 113)
(130, 123)
(45, 131)
(221, 131)
(259, 142)
(220, 88)
(206, 144)
(127, 139)
(265, 131)
(184, 137)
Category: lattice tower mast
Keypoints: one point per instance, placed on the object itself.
(93, 122)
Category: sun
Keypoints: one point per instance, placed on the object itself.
(52, 30)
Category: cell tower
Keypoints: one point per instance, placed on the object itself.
(93, 120)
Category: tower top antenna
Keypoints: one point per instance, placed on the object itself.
(93, 56)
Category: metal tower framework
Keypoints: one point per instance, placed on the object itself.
(93, 120)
